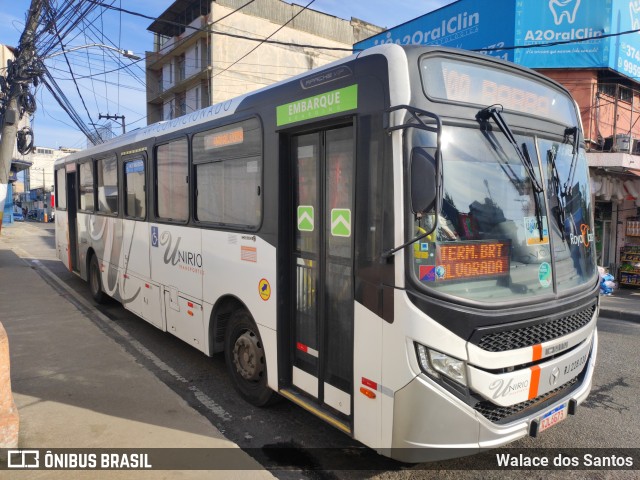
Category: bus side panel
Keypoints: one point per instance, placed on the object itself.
(139, 294)
(62, 238)
(103, 234)
(177, 260)
(86, 239)
(245, 269)
(367, 375)
(177, 268)
(135, 249)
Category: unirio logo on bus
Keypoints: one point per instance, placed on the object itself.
(174, 256)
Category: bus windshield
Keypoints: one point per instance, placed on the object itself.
(488, 245)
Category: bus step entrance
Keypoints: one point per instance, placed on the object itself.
(316, 409)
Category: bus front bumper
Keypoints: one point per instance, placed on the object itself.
(431, 424)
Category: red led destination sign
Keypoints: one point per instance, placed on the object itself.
(484, 85)
(469, 260)
(224, 139)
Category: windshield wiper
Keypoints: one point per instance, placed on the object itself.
(557, 189)
(495, 112)
(572, 131)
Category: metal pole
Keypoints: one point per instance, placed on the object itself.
(114, 117)
(44, 200)
(15, 79)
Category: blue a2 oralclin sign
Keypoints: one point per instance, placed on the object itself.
(551, 33)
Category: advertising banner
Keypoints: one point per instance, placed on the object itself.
(625, 49)
(543, 23)
(545, 33)
(465, 24)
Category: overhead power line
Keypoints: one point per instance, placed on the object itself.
(559, 42)
(75, 82)
(245, 37)
(66, 105)
(265, 40)
(215, 32)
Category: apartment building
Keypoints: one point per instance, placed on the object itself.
(203, 53)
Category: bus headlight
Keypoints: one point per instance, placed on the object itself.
(436, 363)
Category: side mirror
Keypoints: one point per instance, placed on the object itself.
(423, 172)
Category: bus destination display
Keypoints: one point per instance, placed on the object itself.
(224, 139)
(468, 260)
(472, 83)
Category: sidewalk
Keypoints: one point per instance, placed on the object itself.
(75, 387)
(623, 304)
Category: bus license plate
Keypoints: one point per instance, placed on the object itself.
(553, 417)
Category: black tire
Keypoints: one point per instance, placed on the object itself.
(246, 360)
(95, 281)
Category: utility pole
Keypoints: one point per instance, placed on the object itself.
(113, 117)
(20, 73)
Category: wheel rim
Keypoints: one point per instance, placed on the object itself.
(248, 356)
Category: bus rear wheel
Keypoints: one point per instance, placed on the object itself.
(246, 360)
(95, 281)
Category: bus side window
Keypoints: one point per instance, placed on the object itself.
(172, 170)
(228, 166)
(61, 188)
(107, 169)
(134, 187)
(87, 186)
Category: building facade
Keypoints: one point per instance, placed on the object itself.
(212, 60)
(37, 188)
(593, 49)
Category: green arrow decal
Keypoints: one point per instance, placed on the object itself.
(305, 218)
(341, 222)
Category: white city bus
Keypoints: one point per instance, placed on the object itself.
(401, 242)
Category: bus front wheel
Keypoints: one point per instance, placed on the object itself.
(245, 359)
(95, 281)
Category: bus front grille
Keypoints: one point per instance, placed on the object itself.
(538, 333)
(497, 414)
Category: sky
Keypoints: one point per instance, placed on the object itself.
(123, 92)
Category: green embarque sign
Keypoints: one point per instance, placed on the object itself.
(335, 101)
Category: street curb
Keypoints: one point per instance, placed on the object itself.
(9, 418)
(620, 314)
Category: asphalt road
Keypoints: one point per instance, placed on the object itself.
(608, 419)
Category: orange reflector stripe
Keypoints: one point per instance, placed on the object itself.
(367, 393)
(190, 313)
(535, 381)
(537, 352)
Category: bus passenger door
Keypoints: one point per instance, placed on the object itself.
(322, 273)
(72, 218)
